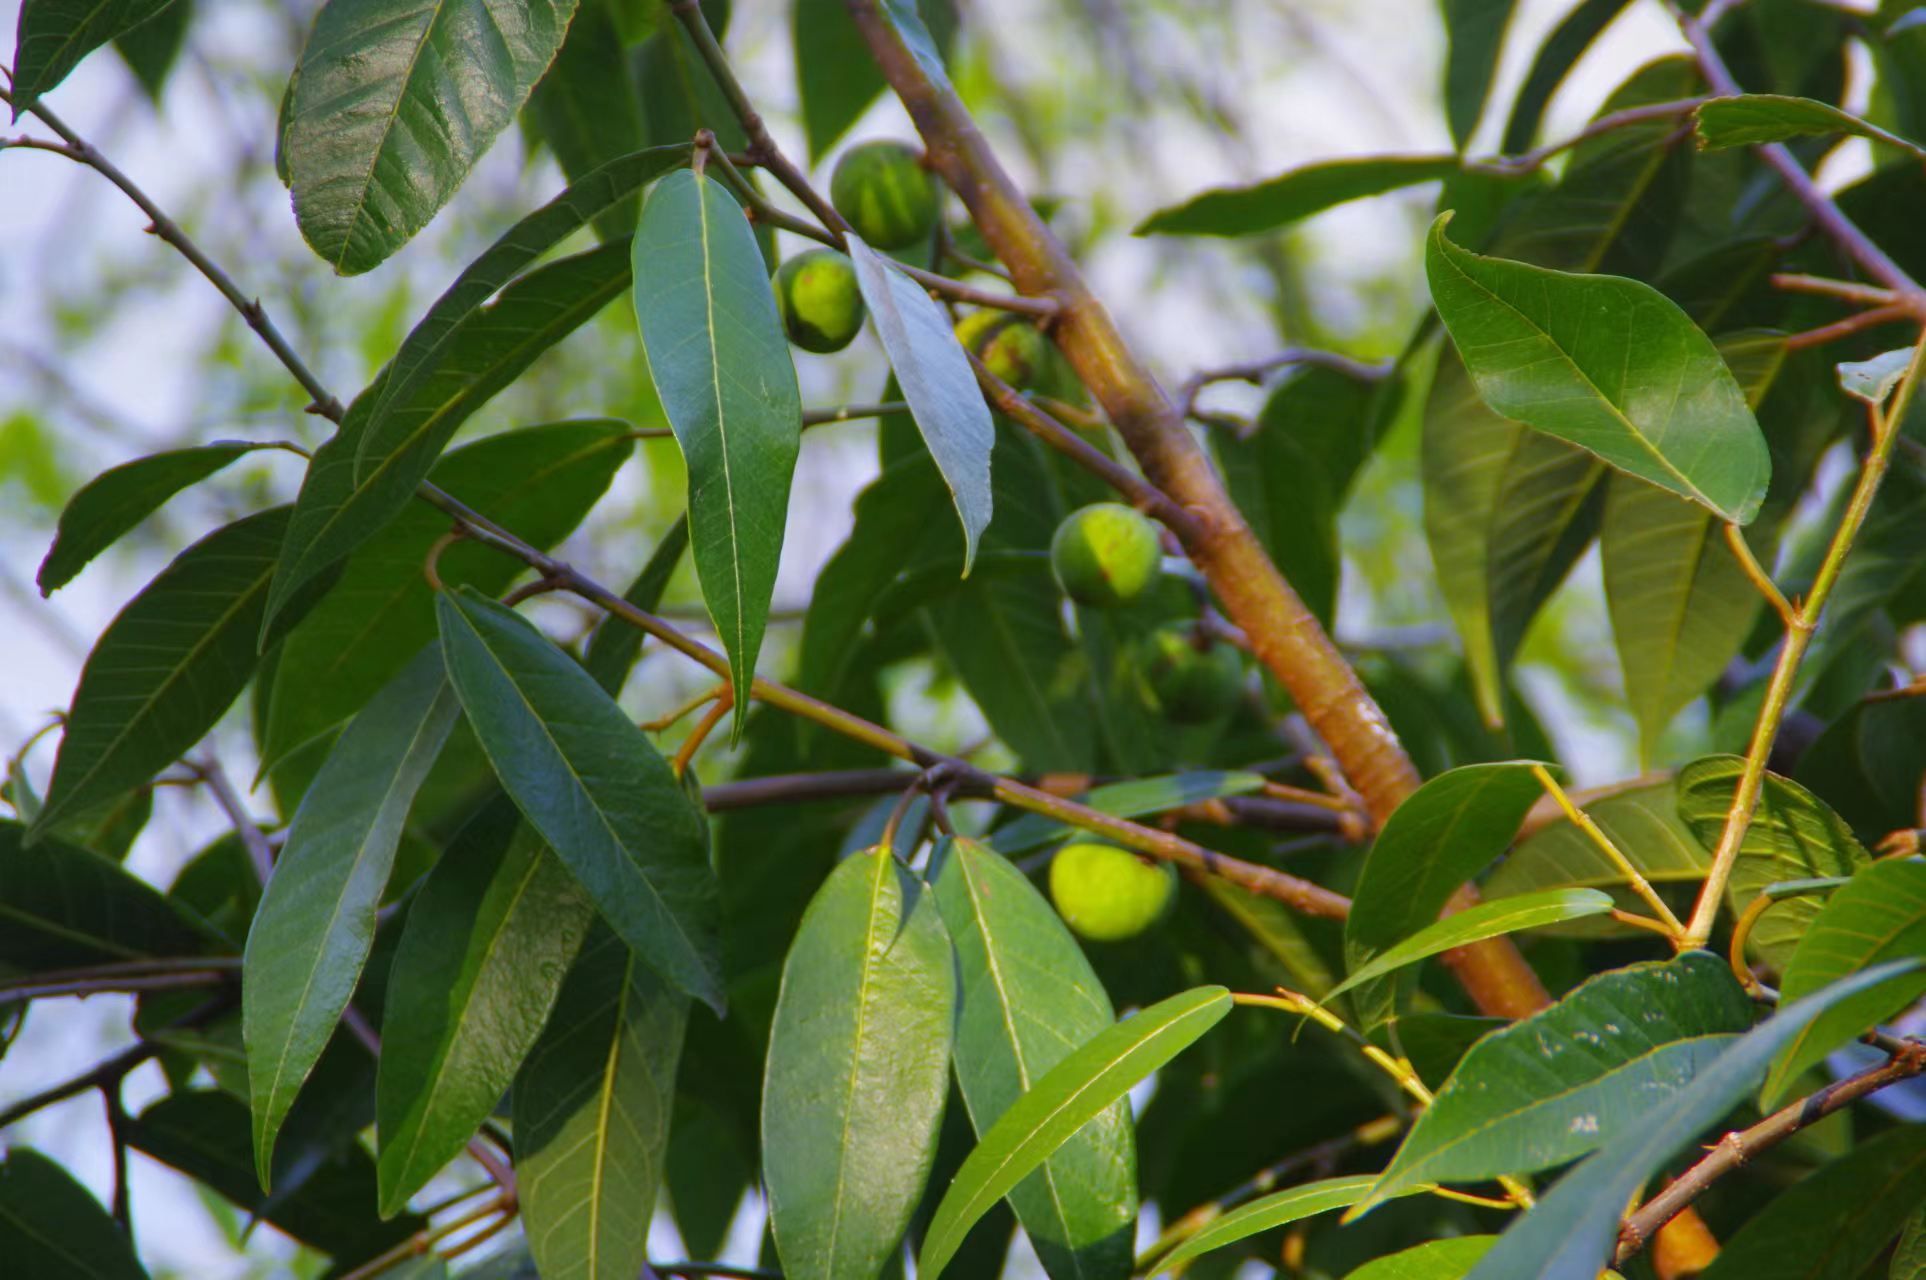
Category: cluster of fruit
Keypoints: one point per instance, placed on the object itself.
(1105, 556)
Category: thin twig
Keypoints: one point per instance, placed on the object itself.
(1848, 290)
(1613, 854)
(113, 1068)
(1528, 161)
(1255, 371)
(259, 854)
(1858, 322)
(1757, 575)
(850, 412)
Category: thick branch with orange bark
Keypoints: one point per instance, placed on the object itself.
(1285, 636)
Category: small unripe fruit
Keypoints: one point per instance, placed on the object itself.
(1109, 894)
(1191, 684)
(1010, 347)
(886, 195)
(1105, 555)
(820, 301)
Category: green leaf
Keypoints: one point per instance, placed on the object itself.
(1475, 924)
(1004, 637)
(118, 499)
(54, 35)
(1572, 1231)
(1127, 800)
(1293, 195)
(1868, 763)
(1751, 119)
(590, 782)
(614, 646)
(592, 1108)
(588, 111)
(1266, 1213)
(1835, 1223)
(367, 472)
(1447, 1259)
(537, 481)
(858, 1070)
(1441, 836)
(1029, 997)
(1605, 363)
(169, 665)
(1793, 836)
(836, 77)
(1507, 513)
(937, 381)
(392, 105)
(1563, 1082)
(316, 923)
(326, 1197)
(1474, 34)
(1681, 604)
(67, 908)
(1878, 915)
(1557, 55)
(151, 49)
(722, 369)
(1909, 1255)
(481, 959)
(1077, 1090)
(52, 1229)
(1643, 822)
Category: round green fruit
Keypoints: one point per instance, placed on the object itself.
(886, 195)
(1193, 680)
(1010, 347)
(821, 304)
(1109, 894)
(1105, 555)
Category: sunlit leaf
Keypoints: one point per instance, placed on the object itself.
(1475, 924)
(1448, 1259)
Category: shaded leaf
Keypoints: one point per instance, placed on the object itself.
(1475, 924)
(592, 1109)
(316, 924)
(836, 77)
(1643, 822)
(1266, 1213)
(391, 106)
(1564, 1081)
(1030, 997)
(858, 1070)
(1474, 34)
(1834, 1224)
(1868, 763)
(590, 782)
(66, 908)
(1878, 915)
(366, 473)
(482, 956)
(54, 35)
(1572, 1231)
(151, 49)
(934, 373)
(1293, 195)
(169, 664)
(615, 645)
(1792, 836)
(1127, 800)
(1075, 1091)
(722, 369)
(587, 109)
(118, 499)
(1560, 52)
(1750, 119)
(52, 1229)
(1608, 364)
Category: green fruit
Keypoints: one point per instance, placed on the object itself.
(1191, 684)
(886, 195)
(1010, 347)
(1109, 894)
(1105, 555)
(821, 304)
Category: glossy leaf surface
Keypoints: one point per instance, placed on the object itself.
(1476, 923)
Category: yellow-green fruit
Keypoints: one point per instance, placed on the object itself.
(1109, 894)
(1105, 555)
(885, 193)
(1010, 347)
(821, 304)
(1193, 681)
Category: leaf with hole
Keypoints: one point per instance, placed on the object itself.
(722, 369)
(316, 923)
(1077, 1090)
(592, 784)
(390, 107)
(1605, 363)
(858, 1069)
